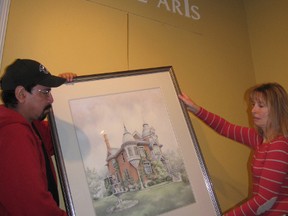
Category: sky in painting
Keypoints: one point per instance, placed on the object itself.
(110, 113)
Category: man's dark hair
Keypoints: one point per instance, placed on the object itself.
(9, 99)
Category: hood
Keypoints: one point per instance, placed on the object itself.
(9, 116)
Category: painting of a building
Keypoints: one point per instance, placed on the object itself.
(138, 162)
(133, 168)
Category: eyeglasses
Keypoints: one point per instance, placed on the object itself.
(45, 92)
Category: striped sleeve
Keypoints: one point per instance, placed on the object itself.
(244, 135)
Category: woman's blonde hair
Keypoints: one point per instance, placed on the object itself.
(276, 99)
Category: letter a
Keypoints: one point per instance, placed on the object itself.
(165, 3)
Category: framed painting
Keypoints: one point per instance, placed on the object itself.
(125, 145)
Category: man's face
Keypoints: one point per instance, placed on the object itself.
(38, 102)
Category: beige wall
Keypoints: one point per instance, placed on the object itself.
(267, 21)
(211, 58)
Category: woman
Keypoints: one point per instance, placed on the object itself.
(269, 140)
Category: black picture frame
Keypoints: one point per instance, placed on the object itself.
(145, 97)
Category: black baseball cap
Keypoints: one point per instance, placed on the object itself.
(25, 72)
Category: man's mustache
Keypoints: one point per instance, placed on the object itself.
(45, 112)
(48, 107)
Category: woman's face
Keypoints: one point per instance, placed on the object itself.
(260, 111)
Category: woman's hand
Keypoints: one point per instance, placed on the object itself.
(68, 76)
(191, 106)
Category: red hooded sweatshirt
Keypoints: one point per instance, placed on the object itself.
(23, 181)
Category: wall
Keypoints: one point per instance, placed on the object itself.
(267, 22)
(211, 58)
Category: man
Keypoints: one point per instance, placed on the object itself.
(27, 176)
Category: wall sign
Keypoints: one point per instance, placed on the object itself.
(185, 14)
(181, 7)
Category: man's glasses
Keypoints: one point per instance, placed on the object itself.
(45, 92)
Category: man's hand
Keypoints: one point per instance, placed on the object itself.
(68, 76)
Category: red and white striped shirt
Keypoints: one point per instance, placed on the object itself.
(269, 168)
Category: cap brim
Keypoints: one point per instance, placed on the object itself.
(52, 81)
